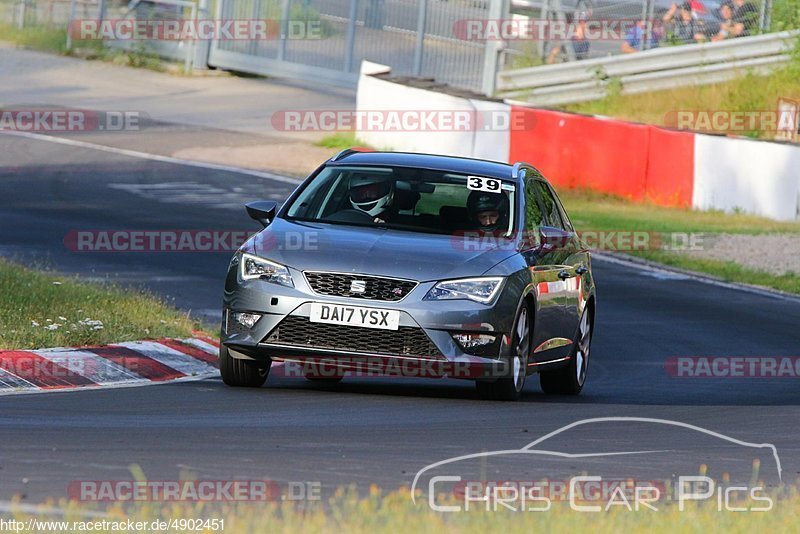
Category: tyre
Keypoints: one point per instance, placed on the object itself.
(509, 387)
(241, 373)
(569, 380)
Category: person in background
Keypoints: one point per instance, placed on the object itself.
(728, 28)
(685, 28)
(578, 41)
(745, 16)
(636, 35)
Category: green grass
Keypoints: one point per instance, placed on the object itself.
(746, 93)
(42, 38)
(595, 211)
(341, 140)
(591, 211)
(395, 512)
(728, 271)
(40, 310)
(53, 40)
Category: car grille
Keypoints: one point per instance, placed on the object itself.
(407, 341)
(375, 288)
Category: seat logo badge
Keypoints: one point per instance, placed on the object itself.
(358, 286)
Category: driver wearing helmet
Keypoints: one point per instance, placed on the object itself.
(372, 195)
(488, 211)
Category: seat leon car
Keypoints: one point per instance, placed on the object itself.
(413, 265)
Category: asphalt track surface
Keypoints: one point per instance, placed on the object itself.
(364, 430)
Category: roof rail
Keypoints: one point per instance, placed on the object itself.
(352, 150)
(516, 168)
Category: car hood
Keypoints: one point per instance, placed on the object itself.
(379, 251)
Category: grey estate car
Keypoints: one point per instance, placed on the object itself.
(417, 265)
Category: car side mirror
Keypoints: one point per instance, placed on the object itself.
(262, 211)
(553, 238)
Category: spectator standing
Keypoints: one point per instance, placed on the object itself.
(745, 15)
(578, 41)
(685, 28)
(728, 28)
(637, 35)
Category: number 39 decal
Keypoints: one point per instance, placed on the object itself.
(478, 183)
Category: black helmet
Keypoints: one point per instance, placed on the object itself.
(482, 201)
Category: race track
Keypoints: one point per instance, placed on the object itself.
(364, 430)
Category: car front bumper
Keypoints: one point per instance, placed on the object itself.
(351, 347)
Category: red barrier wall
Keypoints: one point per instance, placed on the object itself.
(635, 161)
(670, 168)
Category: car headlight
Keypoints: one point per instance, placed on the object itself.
(253, 267)
(481, 290)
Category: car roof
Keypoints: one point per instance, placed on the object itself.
(480, 167)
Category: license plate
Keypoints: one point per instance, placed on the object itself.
(355, 316)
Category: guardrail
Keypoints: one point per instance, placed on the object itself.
(649, 70)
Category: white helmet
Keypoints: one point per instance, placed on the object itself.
(371, 194)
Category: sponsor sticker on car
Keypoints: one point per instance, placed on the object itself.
(355, 316)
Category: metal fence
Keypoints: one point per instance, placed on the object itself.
(661, 20)
(156, 10)
(650, 70)
(48, 13)
(414, 37)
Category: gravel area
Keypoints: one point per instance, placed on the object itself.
(774, 253)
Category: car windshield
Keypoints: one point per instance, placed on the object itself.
(417, 200)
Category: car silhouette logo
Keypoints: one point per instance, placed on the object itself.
(358, 286)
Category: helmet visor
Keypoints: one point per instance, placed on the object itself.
(370, 192)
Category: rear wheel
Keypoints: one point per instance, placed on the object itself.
(569, 380)
(509, 387)
(241, 373)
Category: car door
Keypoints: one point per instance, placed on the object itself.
(544, 256)
(575, 262)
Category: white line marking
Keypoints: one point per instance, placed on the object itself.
(696, 277)
(153, 157)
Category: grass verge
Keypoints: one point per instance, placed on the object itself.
(747, 93)
(341, 140)
(53, 40)
(395, 512)
(596, 211)
(40, 310)
(601, 213)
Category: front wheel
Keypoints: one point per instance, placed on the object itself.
(241, 373)
(569, 380)
(509, 386)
